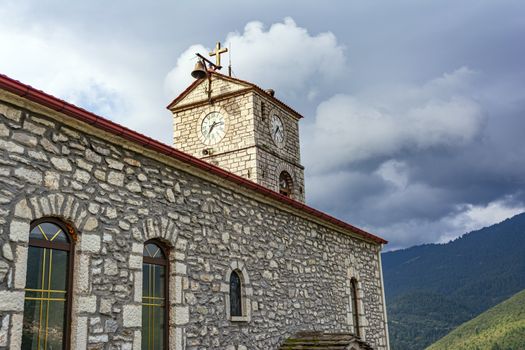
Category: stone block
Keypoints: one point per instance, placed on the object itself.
(116, 178)
(33, 128)
(83, 273)
(87, 304)
(7, 252)
(180, 268)
(182, 315)
(132, 316)
(29, 175)
(16, 331)
(52, 180)
(23, 211)
(21, 266)
(137, 340)
(12, 300)
(91, 224)
(90, 243)
(19, 231)
(137, 248)
(11, 147)
(135, 262)
(4, 330)
(61, 164)
(106, 306)
(137, 287)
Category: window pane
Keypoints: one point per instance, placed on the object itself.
(235, 295)
(153, 251)
(153, 307)
(45, 299)
(48, 232)
(355, 314)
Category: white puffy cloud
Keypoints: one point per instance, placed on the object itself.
(383, 123)
(284, 57)
(51, 57)
(473, 217)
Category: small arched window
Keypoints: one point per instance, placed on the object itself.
(154, 297)
(285, 184)
(47, 305)
(235, 294)
(355, 310)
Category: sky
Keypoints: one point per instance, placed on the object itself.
(414, 111)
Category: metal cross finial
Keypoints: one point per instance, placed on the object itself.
(218, 51)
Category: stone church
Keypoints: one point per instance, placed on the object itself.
(112, 240)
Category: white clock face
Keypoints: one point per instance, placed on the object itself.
(213, 128)
(277, 130)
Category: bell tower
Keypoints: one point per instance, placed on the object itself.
(241, 128)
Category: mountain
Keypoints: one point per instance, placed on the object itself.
(433, 288)
(501, 327)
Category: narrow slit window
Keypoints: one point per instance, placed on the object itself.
(154, 297)
(235, 294)
(355, 311)
(47, 302)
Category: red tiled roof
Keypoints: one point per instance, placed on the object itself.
(244, 82)
(99, 122)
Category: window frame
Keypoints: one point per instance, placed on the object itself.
(240, 296)
(354, 291)
(161, 262)
(70, 232)
(287, 178)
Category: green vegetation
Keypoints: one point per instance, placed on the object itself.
(502, 328)
(432, 289)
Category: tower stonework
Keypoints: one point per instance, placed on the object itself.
(243, 129)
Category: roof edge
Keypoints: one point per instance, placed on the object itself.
(80, 114)
(236, 80)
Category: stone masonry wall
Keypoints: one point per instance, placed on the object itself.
(272, 160)
(295, 271)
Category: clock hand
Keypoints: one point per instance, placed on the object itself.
(211, 128)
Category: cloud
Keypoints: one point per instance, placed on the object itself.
(466, 218)
(473, 217)
(285, 57)
(52, 58)
(348, 129)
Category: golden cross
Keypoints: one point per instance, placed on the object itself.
(218, 51)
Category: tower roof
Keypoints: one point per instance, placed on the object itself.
(247, 86)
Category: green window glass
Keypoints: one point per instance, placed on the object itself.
(47, 292)
(154, 297)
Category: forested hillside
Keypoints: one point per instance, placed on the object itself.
(500, 328)
(431, 289)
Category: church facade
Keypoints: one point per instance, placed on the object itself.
(112, 240)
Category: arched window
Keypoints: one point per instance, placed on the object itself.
(47, 306)
(285, 184)
(235, 294)
(355, 310)
(154, 297)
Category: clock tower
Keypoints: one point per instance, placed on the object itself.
(243, 129)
